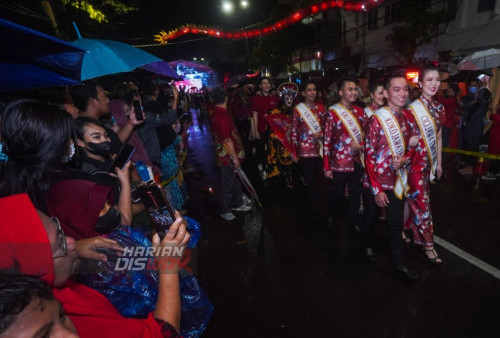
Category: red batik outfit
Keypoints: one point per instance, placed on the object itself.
(303, 142)
(380, 174)
(419, 181)
(308, 148)
(337, 142)
(339, 158)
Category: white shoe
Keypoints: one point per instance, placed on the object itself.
(228, 216)
(243, 207)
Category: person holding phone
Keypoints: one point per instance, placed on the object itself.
(95, 157)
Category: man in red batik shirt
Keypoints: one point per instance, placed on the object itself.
(229, 153)
(262, 103)
(388, 134)
(343, 144)
(307, 139)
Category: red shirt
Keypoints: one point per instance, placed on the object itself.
(303, 142)
(223, 129)
(263, 105)
(380, 174)
(337, 142)
(450, 111)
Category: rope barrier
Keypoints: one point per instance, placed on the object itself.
(471, 153)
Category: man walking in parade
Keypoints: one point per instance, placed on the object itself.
(388, 133)
(343, 144)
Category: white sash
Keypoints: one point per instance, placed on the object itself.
(311, 122)
(428, 130)
(369, 112)
(396, 142)
(351, 124)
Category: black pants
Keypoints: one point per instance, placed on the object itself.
(243, 127)
(353, 180)
(311, 168)
(394, 216)
(230, 190)
(260, 149)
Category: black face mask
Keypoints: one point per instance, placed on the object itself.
(102, 149)
(110, 221)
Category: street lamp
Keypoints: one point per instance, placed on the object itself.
(227, 6)
(244, 3)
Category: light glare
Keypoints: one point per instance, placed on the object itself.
(227, 6)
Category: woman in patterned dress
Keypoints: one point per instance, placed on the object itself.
(419, 177)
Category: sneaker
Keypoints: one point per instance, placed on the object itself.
(489, 177)
(243, 207)
(228, 216)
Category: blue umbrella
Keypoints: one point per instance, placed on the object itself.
(24, 76)
(31, 59)
(104, 57)
(161, 68)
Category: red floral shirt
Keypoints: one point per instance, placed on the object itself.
(223, 129)
(380, 174)
(337, 142)
(303, 142)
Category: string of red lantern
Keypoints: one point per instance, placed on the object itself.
(163, 37)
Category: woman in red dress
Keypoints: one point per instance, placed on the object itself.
(426, 161)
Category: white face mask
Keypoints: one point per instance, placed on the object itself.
(69, 156)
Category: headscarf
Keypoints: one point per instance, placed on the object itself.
(77, 204)
(24, 243)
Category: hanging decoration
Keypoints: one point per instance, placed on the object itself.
(360, 6)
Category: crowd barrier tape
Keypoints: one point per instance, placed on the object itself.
(472, 153)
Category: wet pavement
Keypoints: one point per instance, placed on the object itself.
(280, 271)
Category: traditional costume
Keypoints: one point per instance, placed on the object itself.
(429, 116)
(309, 120)
(279, 155)
(343, 127)
(388, 134)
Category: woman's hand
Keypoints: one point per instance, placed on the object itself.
(123, 174)
(439, 171)
(86, 248)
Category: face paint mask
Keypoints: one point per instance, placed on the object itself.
(472, 90)
(110, 221)
(69, 156)
(102, 149)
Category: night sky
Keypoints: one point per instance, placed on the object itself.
(138, 27)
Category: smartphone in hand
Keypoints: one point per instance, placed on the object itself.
(122, 158)
(139, 113)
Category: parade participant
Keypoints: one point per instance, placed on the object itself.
(307, 139)
(279, 157)
(229, 154)
(426, 162)
(385, 184)
(343, 145)
(262, 103)
(378, 100)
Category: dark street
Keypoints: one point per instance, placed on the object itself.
(280, 271)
